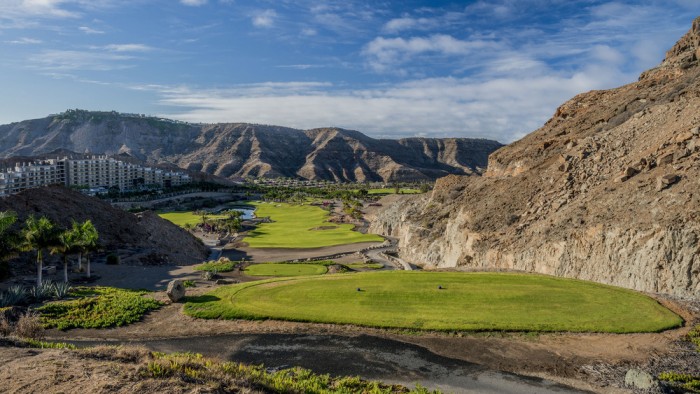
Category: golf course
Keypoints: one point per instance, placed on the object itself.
(446, 301)
(301, 226)
(272, 269)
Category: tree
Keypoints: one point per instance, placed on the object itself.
(9, 241)
(68, 243)
(88, 241)
(38, 234)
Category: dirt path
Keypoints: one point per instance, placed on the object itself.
(282, 254)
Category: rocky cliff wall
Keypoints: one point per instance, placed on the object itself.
(607, 190)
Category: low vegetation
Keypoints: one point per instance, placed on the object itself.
(682, 382)
(221, 265)
(97, 307)
(231, 376)
(280, 269)
(365, 266)
(301, 226)
(450, 301)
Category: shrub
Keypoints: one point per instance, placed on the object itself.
(189, 283)
(221, 265)
(98, 307)
(113, 259)
(61, 290)
(5, 326)
(29, 326)
(43, 291)
(15, 295)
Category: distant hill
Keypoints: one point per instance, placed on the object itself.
(234, 150)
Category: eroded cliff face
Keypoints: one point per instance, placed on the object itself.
(607, 190)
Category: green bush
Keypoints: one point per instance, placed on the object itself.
(189, 283)
(221, 265)
(113, 259)
(98, 307)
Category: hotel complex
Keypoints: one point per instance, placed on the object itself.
(96, 173)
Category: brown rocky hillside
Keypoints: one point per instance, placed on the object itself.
(138, 239)
(234, 150)
(607, 190)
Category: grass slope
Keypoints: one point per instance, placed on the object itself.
(182, 218)
(272, 269)
(301, 226)
(468, 301)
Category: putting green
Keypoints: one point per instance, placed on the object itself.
(272, 269)
(467, 301)
(182, 218)
(301, 226)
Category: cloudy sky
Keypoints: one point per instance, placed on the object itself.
(488, 68)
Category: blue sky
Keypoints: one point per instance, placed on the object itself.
(489, 68)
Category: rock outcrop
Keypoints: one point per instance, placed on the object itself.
(235, 150)
(607, 190)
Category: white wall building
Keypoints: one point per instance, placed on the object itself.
(95, 172)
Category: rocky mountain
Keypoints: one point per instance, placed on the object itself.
(138, 239)
(235, 150)
(607, 190)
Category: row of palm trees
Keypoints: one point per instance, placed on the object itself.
(41, 234)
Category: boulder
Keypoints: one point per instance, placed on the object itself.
(176, 290)
(665, 181)
(641, 380)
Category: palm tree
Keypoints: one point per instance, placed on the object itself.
(68, 243)
(38, 234)
(88, 241)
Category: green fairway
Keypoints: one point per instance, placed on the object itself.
(301, 226)
(467, 301)
(389, 190)
(272, 269)
(182, 218)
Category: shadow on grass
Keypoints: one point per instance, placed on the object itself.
(202, 299)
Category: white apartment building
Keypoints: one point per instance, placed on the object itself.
(95, 172)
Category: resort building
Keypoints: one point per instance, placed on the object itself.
(97, 172)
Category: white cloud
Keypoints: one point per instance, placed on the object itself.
(193, 3)
(386, 53)
(128, 48)
(309, 32)
(407, 23)
(59, 60)
(24, 41)
(89, 30)
(264, 18)
(503, 108)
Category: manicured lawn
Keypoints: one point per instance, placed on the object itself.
(301, 226)
(182, 218)
(468, 301)
(272, 269)
(391, 190)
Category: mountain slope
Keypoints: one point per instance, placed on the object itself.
(606, 190)
(238, 150)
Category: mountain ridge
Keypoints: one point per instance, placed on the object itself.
(235, 150)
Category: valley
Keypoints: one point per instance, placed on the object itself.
(322, 260)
